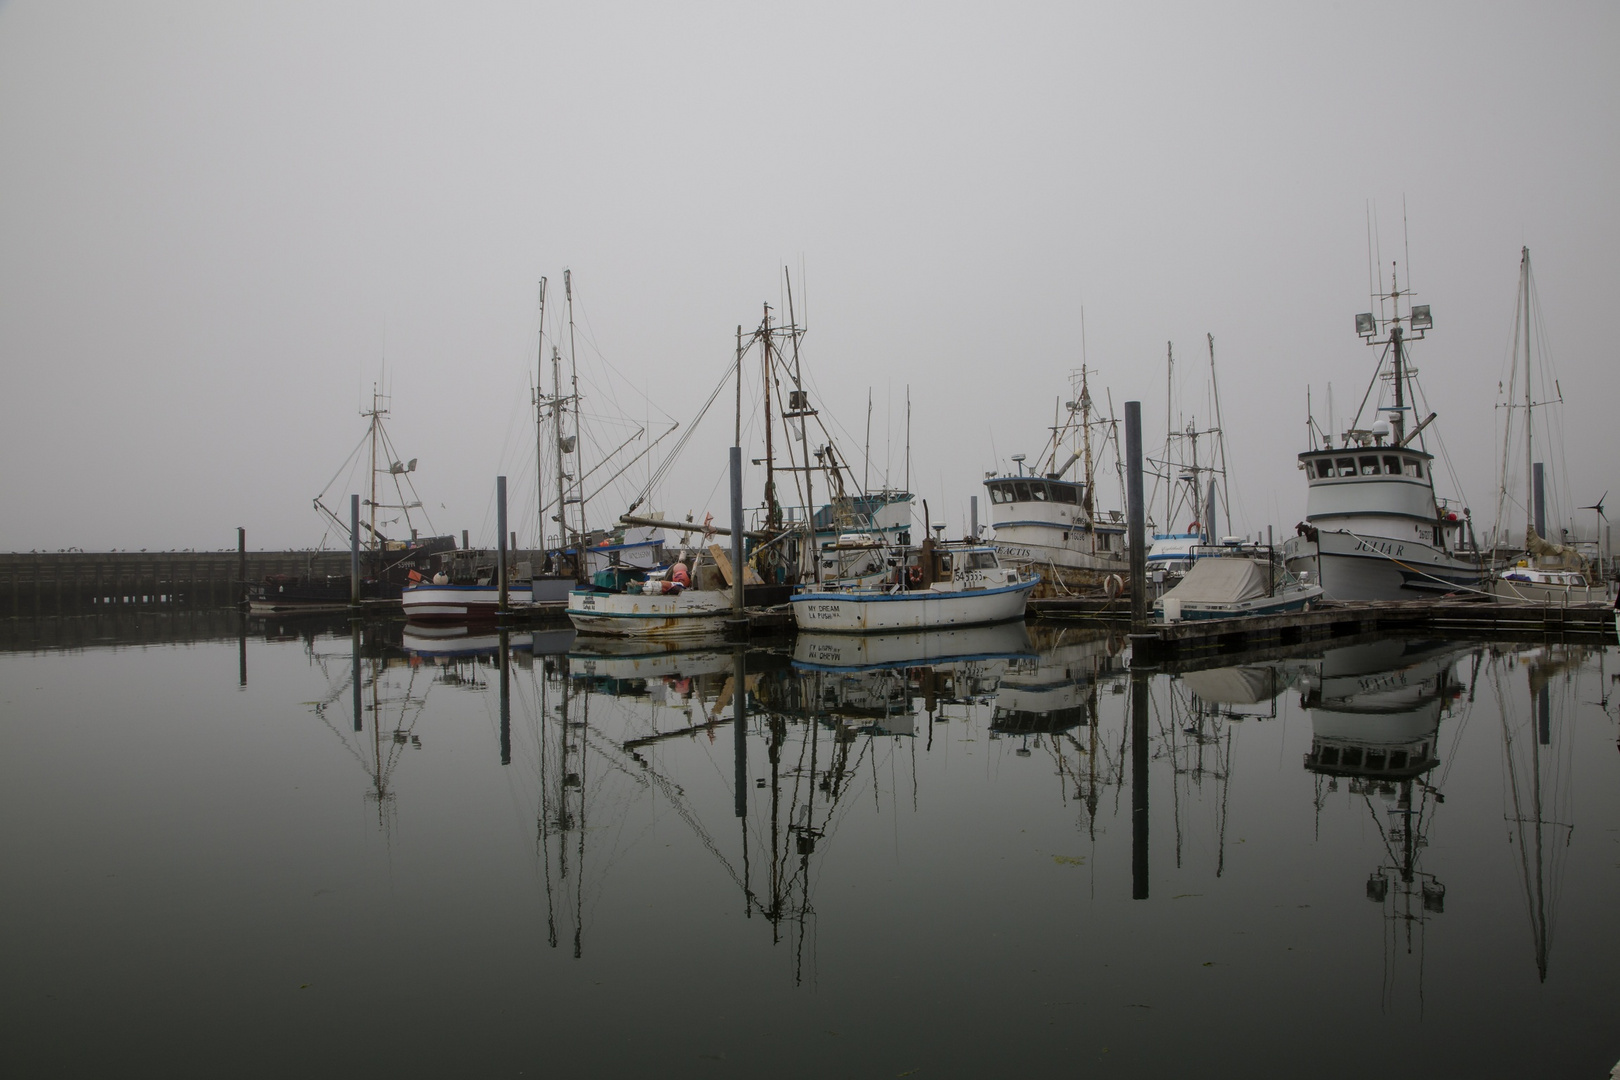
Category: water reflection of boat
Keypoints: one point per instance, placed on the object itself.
(1376, 710)
(1376, 707)
(814, 651)
(1536, 754)
(1056, 688)
(1252, 684)
(462, 639)
(642, 658)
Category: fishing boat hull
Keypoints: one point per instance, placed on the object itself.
(1029, 546)
(862, 611)
(1354, 567)
(460, 603)
(689, 613)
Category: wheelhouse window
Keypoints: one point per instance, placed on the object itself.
(999, 493)
(1066, 493)
(1021, 491)
(1369, 465)
(981, 560)
(1392, 465)
(1413, 467)
(1310, 471)
(1346, 466)
(1037, 490)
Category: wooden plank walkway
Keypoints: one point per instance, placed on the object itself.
(1205, 637)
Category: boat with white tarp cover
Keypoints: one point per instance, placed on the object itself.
(1225, 587)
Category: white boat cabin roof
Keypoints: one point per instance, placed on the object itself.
(1365, 462)
(1010, 489)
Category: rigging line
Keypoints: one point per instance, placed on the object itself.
(608, 390)
(1445, 455)
(668, 463)
(348, 464)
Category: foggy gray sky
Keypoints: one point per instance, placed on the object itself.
(221, 223)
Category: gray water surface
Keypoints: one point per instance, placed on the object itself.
(296, 850)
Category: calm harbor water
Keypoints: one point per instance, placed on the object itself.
(237, 847)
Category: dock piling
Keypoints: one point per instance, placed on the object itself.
(1136, 514)
(354, 551)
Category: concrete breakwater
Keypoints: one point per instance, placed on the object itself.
(79, 581)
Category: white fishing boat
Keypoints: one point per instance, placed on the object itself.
(1047, 521)
(469, 589)
(1373, 528)
(693, 594)
(683, 613)
(934, 585)
(445, 602)
(1235, 585)
(386, 565)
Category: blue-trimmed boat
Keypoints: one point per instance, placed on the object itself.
(933, 585)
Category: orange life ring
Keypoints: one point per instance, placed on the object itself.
(914, 575)
(1192, 527)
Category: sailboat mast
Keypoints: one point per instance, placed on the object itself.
(1220, 434)
(371, 540)
(1399, 425)
(1169, 425)
(802, 407)
(866, 473)
(573, 368)
(1086, 500)
(557, 419)
(1529, 427)
(771, 511)
(539, 426)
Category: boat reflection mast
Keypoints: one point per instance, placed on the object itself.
(1536, 758)
(363, 679)
(562, 822)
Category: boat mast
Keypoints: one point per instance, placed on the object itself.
(802, 407)
(1086, 501)
(866, 472)
(556, 416)
(1399, 424)
(1529, 465)
(539, 426)
(371, 540)
(579, 470)
(1169, 427)
(772, 513)
(1220, 434)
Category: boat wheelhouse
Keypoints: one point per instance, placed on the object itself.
(1042, 521)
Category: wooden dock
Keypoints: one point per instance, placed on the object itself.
(1211, 637)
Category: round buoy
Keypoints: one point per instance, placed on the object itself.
(1113, 585)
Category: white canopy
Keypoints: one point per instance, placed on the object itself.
(1221, 581)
